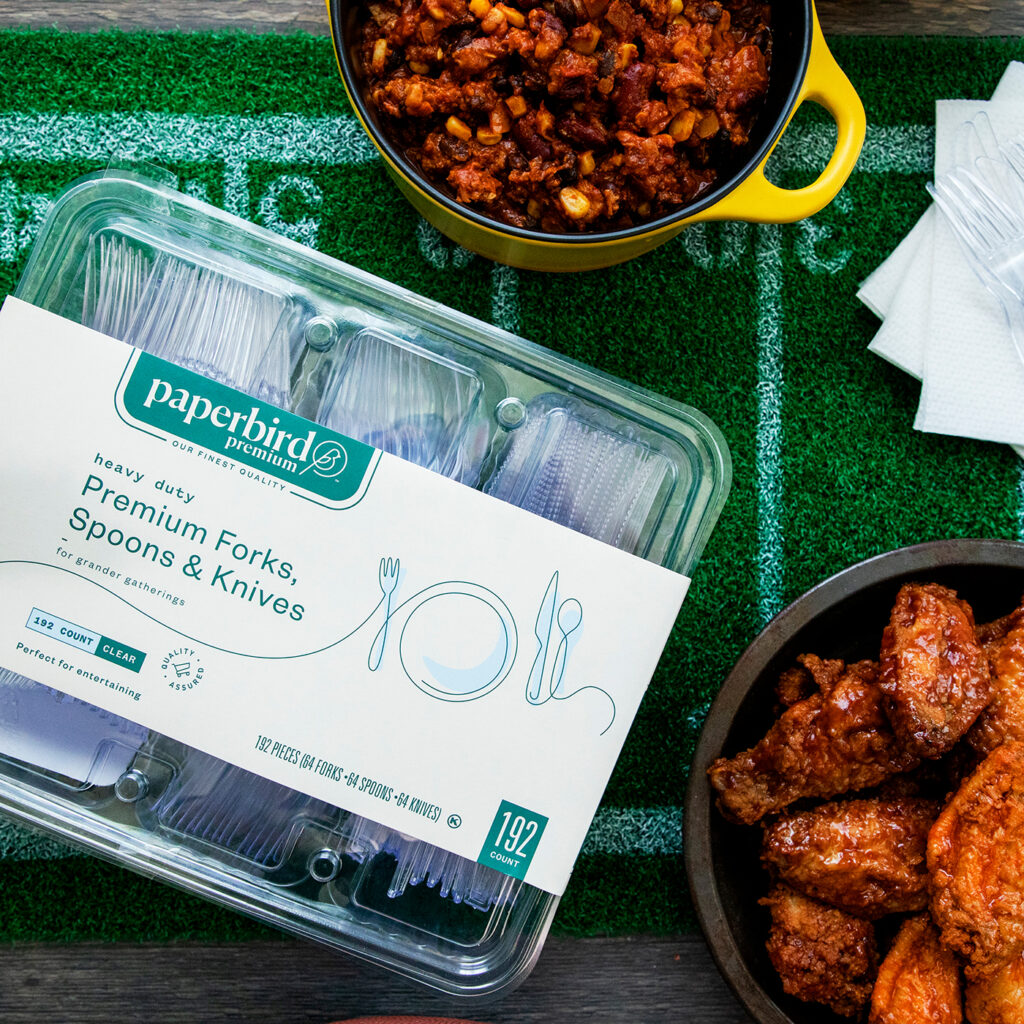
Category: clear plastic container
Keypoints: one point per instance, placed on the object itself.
(187, 282)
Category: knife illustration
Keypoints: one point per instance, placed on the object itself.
(542, 629)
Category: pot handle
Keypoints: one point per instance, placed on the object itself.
(756, 199)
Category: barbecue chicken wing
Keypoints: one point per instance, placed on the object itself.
(866, 857)
(934, 673)
(976, 862)
(834, 741)
(919, 980)
(822, 955)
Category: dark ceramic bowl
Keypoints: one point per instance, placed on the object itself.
(843, 617)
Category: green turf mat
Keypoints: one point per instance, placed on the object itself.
(757, 326)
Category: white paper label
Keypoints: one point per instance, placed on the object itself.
(310, 609)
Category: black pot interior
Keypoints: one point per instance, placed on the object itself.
(849, 628)
(791, 44)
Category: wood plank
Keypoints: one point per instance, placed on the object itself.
(839, 17)
(653, 980)
(921, 17)
(168, 15)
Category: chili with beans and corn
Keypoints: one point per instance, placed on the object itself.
(569, 115)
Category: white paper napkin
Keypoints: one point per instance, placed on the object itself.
(901, 338)
(899, 289)
(973, 378)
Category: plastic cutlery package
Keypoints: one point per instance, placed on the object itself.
(335, 350)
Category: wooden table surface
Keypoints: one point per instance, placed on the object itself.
(636, 980)
(862, 17)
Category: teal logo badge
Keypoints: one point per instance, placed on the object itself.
(316, 462)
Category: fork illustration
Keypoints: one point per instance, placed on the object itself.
(388, 577)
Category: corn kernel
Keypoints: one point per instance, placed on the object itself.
(512, 16)
(418, 68)
(574, 202)
(479, 8)
(486, 137)
(458, 128)
(414, 97)
(708, 126)
(435, 11)
(585, 38)
(545, 120)
(380, 55)
(625, 55)
(644, 209)
(586, 163)
(440, 53)
(675, 7)
(516, 105)
(681, 126)
(605, 85)
(533, 209)
(493, 21)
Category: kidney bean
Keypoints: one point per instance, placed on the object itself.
(529, 141)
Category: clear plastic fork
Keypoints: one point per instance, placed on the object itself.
(984, 205)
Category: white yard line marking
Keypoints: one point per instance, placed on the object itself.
(286, 138)
(888, 149)
(643, 831)
(904, 149)
(235, 141)
(340, 140)
(1020, 498)
(505, 308)
(768, 442)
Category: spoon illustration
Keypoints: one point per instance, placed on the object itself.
(570, 615)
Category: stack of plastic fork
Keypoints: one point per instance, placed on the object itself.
(191, 315)
(237, 811)
(578, 474)
(407, 402)
(417, 862)
(983, 202)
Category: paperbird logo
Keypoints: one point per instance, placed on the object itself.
(317, 462)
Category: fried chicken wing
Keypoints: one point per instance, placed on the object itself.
(810, 675)
(998, 999)
(794, 685)
(976, 861)
(834, 741)
(934, 673)
(822, 955)
(919, 980)
(1003, 718)
(866, 857)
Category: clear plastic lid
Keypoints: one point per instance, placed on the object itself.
(182, 280)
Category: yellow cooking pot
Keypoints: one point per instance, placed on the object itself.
(802, 69)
